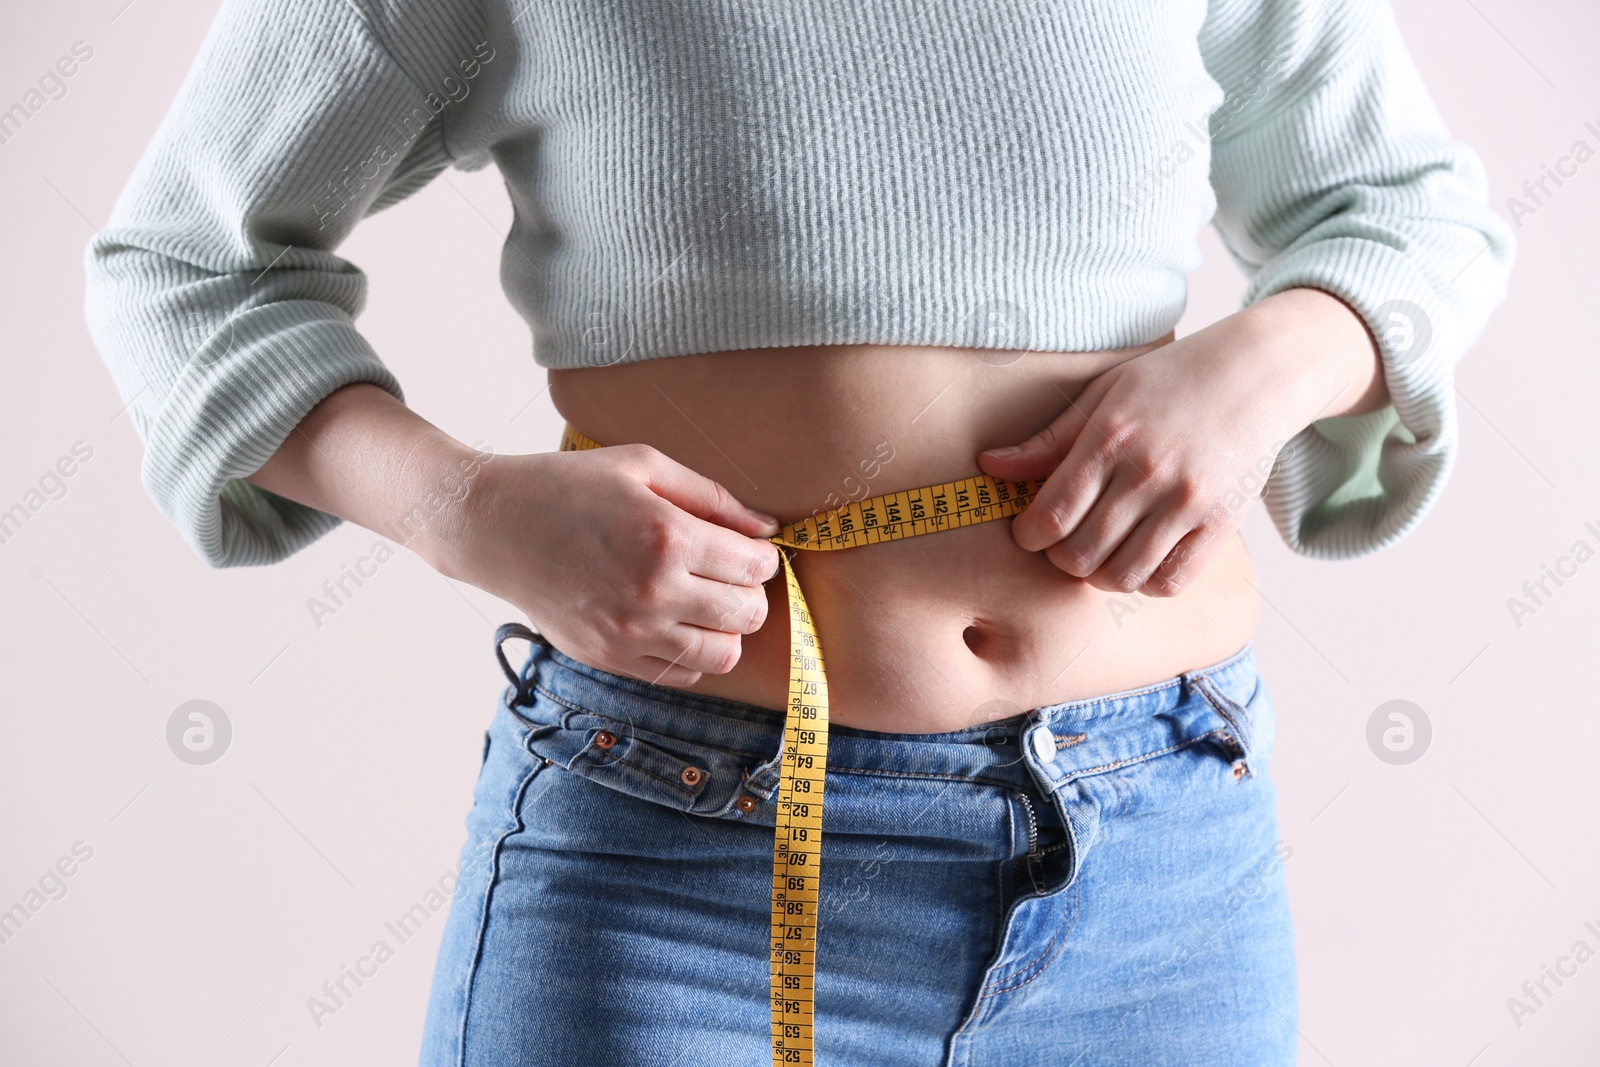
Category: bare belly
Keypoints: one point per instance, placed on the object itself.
(931, 633)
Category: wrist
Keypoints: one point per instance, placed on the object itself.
(1333, 362)
(436, 489)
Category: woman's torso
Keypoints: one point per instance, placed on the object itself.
(931, 633)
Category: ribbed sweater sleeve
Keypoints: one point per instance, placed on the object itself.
(213, 292)
(216, 297)
(1333, 170)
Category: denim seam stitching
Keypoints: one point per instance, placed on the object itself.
(1140, 759)
(669, 783)
(1126, 694)
(1043, 961)
(1112, 698)
(932, 776)
(1000, 871)
(1025, 967)
(1001, 908)
(470, 983)
(1217, 701)
(514, 706)
(570, 706)
(622, 759)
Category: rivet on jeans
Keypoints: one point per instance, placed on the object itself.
(605, 739)
(692, 775)
(746, 803)
(1238, 770)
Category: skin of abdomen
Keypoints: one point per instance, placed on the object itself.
(931, 633)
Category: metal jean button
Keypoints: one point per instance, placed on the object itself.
(1044, 744)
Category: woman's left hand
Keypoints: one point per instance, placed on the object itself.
(1159, 457)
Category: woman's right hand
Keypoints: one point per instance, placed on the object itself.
(624, 558)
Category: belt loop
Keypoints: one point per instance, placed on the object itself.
(505, 632)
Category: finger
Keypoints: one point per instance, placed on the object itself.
(704, 498)
(1042, 453)
(1038, 455)
(1141, 552)
(693, 647)
(1112, 518)
(734, 609)
(1068, 493)
(658, 671)
(724, 556)
(1186, 560)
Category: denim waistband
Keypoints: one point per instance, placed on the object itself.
(735, 748)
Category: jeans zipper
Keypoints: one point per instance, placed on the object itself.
(1035, 873)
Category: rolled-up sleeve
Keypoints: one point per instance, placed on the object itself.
(213, 292)
(1333, 170)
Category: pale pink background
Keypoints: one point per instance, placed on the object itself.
(221, 897)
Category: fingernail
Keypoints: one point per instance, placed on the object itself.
(1003, 453)
(764, 518)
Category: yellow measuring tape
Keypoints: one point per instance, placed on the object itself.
(797, 849)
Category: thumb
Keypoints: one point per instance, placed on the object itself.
(1039, 455)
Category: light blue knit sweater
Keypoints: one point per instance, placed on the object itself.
(702, 175)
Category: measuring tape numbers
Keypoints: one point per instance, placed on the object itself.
(797, 844)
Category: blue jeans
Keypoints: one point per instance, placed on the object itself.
(1098, 883)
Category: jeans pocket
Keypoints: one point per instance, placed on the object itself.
(1240, 699)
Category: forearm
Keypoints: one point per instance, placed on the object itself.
(364, 456)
